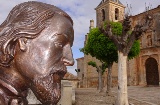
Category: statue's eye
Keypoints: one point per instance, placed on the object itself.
(58, 45)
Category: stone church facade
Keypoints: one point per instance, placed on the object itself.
(142, 70)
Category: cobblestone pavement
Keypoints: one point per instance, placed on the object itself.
(150, 95)
(91, 97)
(137, 96)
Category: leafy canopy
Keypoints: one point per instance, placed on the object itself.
(103, 48)
(102, 67)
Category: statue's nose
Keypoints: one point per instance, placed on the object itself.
(68, 56)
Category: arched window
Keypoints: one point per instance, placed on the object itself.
(103, 15)
(116, 13)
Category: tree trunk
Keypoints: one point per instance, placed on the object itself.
(122, 98)
(100, 80)
(98, 88)
(109, 79)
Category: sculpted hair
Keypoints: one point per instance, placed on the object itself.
(25, 20)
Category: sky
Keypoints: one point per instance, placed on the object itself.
(81, 11)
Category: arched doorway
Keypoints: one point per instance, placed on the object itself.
(152, 75)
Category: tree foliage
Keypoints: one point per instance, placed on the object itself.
(91, 63)
(102, 67)
(101, 47)
(116, 27)
(134, 50)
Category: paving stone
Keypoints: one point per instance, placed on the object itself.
(138, 95)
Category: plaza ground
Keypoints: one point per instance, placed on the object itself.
(138, 95)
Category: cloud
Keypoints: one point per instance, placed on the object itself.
(7, 5)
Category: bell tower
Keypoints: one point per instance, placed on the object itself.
(109, 10)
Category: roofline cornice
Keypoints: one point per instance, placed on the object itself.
(107, 2)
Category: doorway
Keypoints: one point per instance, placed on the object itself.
(152, 74)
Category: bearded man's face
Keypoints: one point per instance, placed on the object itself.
(44, 61)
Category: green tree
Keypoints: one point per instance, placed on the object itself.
(124, 43)
(104, 49)
(100, 70)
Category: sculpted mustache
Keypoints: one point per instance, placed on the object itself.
(59, 68)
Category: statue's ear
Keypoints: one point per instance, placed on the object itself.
(22, 44)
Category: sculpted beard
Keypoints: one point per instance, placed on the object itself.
(48, 89)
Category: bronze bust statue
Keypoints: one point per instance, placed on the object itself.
(35, 48)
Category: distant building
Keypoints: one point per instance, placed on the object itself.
(142, 70)
(74, 79)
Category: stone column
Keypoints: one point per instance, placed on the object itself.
(143, 72)
(66, 93)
